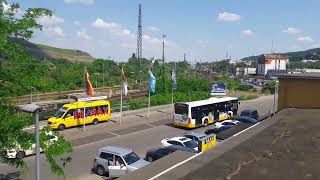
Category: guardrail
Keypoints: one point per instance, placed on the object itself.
(63, 94)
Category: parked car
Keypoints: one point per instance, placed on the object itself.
(246, 119)
(117, 161)
(20, 153)
(155, 154)
(226, 123)
(223, 135)
(253, 113)
(217, 130)
(194, 136)
(180, 141)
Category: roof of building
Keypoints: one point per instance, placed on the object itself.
(117, 150)
(300, 76)
(273, 56)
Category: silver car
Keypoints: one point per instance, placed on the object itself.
(117, 161)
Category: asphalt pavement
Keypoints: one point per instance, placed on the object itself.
(136, 131)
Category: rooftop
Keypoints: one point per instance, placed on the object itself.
(300, 76)
(273, 56)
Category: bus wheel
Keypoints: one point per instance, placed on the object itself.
(20, 155)
(95, 121)
(206, 122)
(61, 127)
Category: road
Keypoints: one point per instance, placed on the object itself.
(135, 132)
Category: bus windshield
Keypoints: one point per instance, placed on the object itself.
(60, 112)
(181, 109)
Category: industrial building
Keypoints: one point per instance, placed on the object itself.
(299, 91)
(271, 62)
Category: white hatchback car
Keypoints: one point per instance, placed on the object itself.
(180, 141)
(226, 123)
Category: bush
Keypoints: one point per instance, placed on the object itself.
(245, 87)
(248, 97)
(269, 87)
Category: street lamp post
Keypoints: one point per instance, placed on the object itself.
(163, 74)
(35, 109)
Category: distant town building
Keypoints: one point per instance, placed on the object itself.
(243, 71)
(309, 61)
(271, 62)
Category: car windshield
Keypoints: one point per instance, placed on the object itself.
(245, 113)
(191, 144)
(60, 112)
(131, 158)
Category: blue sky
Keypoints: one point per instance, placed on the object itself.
(204, 30)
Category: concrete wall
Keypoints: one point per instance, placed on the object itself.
(299, 93)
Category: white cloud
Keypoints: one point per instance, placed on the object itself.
(305, 39)
(202, 43)
(153, 28)
(83, 34)
(247, 32)
(315, 46)
(228, 17)
(50, 20)
(112, 27)
(291, 30)
(76, 23)
(79, 1)
(56, 31)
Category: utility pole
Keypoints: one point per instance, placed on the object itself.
(103, 75)
(163, 73)
(139, 42)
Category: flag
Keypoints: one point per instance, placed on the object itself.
(89, 89)
(173, 78)
(152, 83)
(124, 84)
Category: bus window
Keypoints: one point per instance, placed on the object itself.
(181, 109)
(69, 113)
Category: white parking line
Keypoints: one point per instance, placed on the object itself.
(182, 162)
(246, 129)
(151, 125)
(113, 133)
(174, 166)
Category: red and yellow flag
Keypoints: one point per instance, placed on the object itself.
(89, 89)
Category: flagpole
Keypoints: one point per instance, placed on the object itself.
(84, 101)
(121, 103)
(149, 105)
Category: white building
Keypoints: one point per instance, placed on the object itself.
(271, 62)
(243, 71)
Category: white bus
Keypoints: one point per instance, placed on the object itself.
(201, 113)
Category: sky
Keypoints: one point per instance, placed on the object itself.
(206, 30)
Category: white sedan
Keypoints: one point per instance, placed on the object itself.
(226, 123)
(180, 141)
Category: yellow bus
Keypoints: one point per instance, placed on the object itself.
(70, 115)
(204, 112)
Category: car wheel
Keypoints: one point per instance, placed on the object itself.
(100, 170)
(150, 159)
(20, 155)
(205, 123)
(61, 127)
(95, 122)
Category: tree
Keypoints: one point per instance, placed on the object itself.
(17, 25)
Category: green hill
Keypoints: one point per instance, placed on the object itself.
(52, 53)
(294, 56)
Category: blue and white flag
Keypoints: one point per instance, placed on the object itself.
(173, 78)
(152, 83)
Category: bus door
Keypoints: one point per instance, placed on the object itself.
(197, 115)
(235, 107)
(69, 119)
